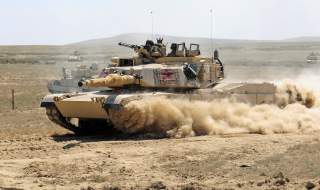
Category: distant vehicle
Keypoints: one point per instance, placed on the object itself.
(69, 82)
(75, 57)
(314, 57)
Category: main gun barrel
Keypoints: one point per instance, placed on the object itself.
(112, 81)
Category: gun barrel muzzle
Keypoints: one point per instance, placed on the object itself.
(80, 83)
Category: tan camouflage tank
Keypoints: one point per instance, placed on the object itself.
(151, 73)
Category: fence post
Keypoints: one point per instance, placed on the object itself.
(12, 99)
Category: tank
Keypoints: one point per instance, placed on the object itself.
(71, 77)
(152, 72)
(313, 57)
(75, 57)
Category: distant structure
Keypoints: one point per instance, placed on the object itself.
(75, 57)
(314, 57)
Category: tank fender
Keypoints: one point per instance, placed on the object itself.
(48, 100)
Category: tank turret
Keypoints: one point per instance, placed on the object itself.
(182, 68)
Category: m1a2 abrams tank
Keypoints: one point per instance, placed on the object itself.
(71, 77)
(152, 73)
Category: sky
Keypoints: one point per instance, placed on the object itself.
(68, 21)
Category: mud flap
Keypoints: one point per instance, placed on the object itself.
(46, 104)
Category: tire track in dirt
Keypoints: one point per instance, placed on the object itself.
(68, 162)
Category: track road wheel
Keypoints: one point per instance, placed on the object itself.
(94, 127)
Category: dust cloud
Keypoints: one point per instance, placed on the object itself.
(296, 110)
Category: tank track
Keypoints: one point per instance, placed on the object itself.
(55, 116)
(85, 126)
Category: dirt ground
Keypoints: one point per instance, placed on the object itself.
(42, 160)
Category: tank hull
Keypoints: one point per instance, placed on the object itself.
(99, 104)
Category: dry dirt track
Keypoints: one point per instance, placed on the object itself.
(37, 161)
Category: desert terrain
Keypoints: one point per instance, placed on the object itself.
(37, 154)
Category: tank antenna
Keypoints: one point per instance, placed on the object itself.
(211, 30)
(152, 34)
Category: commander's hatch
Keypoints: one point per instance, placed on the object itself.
(193, 51)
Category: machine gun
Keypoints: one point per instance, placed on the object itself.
(150, 50)
(141, 50)
(132, 46)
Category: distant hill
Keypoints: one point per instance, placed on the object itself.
(109, 46)
(304, 39)
(139, 39)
